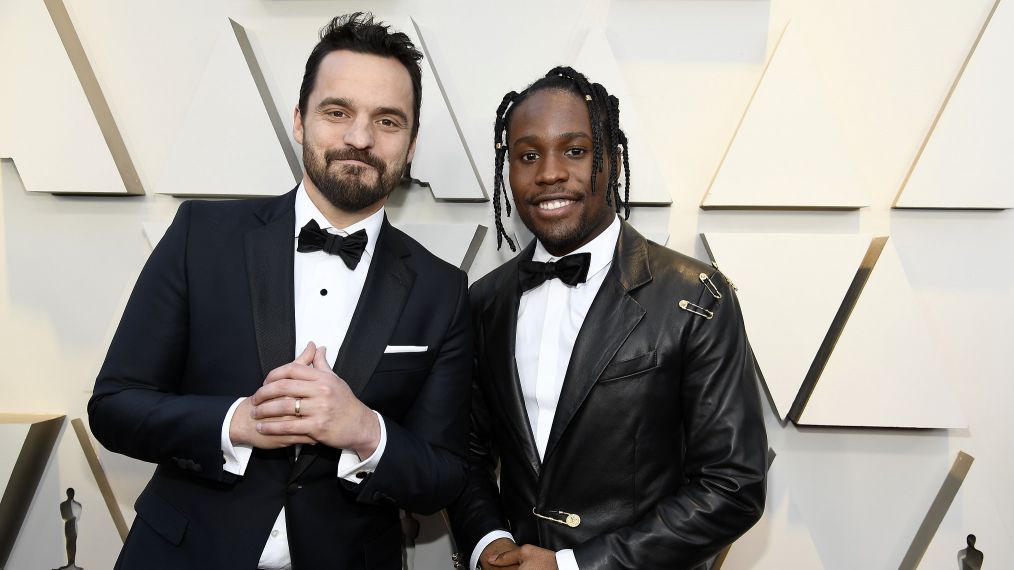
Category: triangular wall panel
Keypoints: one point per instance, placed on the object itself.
(885, 369)
(597, 61)
(967, 160)
(60, 134)
(780, 540)
(442, 159)
(790, 287)
(456, 244)
(787, 151)
(972, 511)
(227, 144)
(44, 543)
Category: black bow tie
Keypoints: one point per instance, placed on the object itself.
(350, 248)
(571, 269)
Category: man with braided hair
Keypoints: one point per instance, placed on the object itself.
(614, 384)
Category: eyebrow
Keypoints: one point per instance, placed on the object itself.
(568, 136)
(345, 102)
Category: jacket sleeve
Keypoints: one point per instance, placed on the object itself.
(477, 510)
(423, 466)
(136, 408)
(725, 453)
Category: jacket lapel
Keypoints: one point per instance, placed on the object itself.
(500, 323)
(610, 320)
(385, 291)
(269, 272)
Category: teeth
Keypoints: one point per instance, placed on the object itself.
(554, 204)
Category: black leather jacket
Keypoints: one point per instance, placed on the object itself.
(658, 444)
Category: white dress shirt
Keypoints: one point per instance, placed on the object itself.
(549, 319)
(326, 293)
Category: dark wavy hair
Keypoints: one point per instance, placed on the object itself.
(359, 32)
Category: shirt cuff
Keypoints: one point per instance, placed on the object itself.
(565, 560)
(236, 456)
(473, 562)
(354, 470)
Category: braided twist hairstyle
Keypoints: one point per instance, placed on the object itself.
(604, 115)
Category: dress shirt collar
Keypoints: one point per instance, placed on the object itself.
(601, 249)
(306, 211)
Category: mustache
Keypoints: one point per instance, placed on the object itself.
(548, 192)
(363, 156)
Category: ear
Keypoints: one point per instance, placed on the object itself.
(297, 125)
(411, 152)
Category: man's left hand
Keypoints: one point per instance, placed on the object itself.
(328, 410)
(528, 557)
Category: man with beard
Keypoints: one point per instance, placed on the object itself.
(614, 384)
(270, 461)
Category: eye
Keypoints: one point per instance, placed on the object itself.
(389, 123)
(336, 114)
(529, 156)
(576, 152)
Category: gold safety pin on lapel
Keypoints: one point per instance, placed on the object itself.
(710, 286)
(559, 517)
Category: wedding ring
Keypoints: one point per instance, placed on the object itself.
(298, 402)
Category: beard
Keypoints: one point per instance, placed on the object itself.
(348, 187)
(562, 237)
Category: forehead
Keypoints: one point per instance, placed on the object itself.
(369, 79)
(546, 114)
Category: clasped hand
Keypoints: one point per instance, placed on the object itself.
(504, 553)
(305, 402)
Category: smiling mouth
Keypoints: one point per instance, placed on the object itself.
(554, 204)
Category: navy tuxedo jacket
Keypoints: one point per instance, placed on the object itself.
(211, 314)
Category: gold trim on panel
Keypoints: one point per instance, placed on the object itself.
(742, 118)
(96, 99)
(100, 477)
(473, 247)
(938, 509)
(940, 112)
(26, 476)
(269, 103)
(454, 119)
(834, 332)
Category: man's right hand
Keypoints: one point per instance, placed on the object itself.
(243, 427)
(494, 549)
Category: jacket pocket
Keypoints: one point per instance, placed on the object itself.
(401, 361)
(629, 367)
(162, 517)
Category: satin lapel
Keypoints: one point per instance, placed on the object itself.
(610, 320)
(269, 271)
(500, 323)
(385, 291)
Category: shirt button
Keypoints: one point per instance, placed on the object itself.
(323, 292)
(274, 533)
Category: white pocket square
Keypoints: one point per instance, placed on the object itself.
(391, 349)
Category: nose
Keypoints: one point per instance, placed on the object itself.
(360, 133)
(551, 171)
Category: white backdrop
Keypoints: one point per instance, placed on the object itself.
(842, 498)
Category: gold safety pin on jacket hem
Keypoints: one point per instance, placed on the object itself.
(559, 517)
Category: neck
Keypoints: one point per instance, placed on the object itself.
(338, 217)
